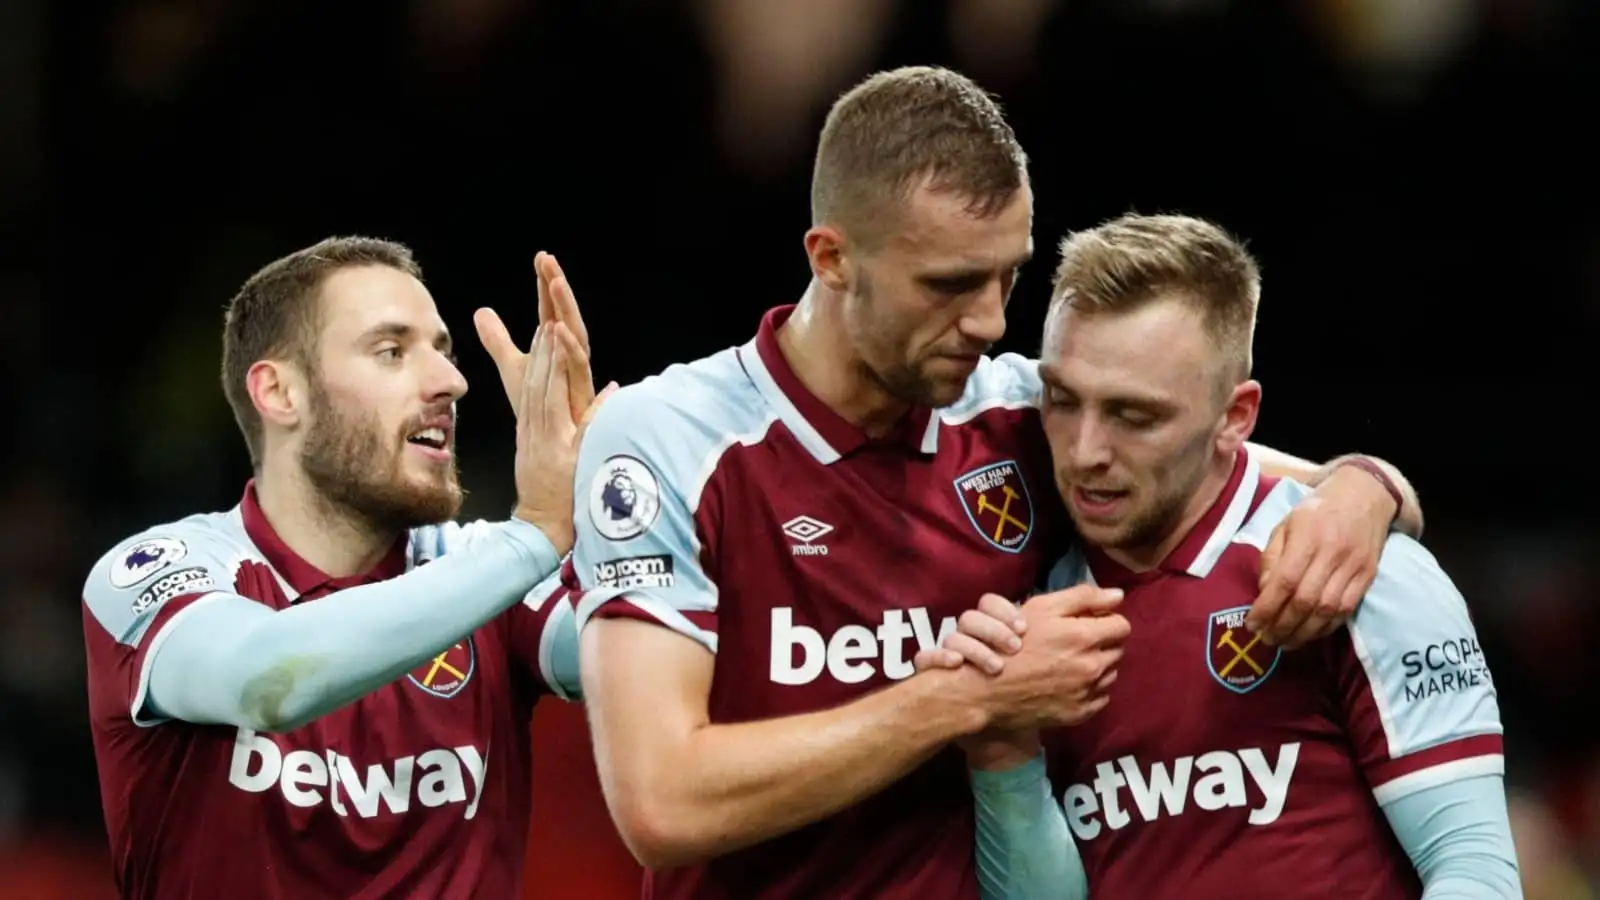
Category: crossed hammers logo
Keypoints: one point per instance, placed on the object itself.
(1003, 511)
(440, 662)
(1240, 654)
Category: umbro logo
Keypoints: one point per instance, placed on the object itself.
(807, 531)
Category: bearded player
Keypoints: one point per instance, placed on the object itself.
(325, 691)
(1366, 765)
(768, 535)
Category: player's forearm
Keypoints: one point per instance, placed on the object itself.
(1024, 849)
(1458, 835)
(1408, 521)
(236, 662)
(1278, 464)
(731, 786)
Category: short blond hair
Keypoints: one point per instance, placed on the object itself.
(902, 128)
(1133, 260)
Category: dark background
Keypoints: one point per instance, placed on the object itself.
(1416, 177)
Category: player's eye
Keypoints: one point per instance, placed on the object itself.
(1056, 397)
(1137, 418)
(389, 354)
(957, 286)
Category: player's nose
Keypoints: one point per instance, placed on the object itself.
(444, 380)
(1089, 447)
(984, 320)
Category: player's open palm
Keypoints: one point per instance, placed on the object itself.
(556, 304)
(547, 434)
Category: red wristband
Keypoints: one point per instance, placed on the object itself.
(1366, 465)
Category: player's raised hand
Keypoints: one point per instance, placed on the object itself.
(1321, 559)
(556, 304)
(548, 436)
(556, 300)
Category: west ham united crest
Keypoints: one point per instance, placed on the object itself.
(1236, 657)
(996, 500)
(447, 673)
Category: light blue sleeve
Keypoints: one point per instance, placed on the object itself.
(226, 659)
(1024, 849)
(558, 642)
(641, 469)
(1458, 836)
(1070, 570)
(1419, 701)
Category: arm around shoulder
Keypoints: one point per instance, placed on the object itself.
(1406, 505)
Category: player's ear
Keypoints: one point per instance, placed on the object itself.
(825, 247)
(1239, 416)
(276, 391)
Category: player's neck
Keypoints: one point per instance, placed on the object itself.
(1143, 559)
(337, 542)
(813, 343)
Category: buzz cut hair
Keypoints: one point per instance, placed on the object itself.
(903, 129)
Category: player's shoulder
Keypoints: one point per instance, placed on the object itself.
(676, 422)
(206, 540)
(192, 555)
(1007, 381)
(704, 401)
(1409, 582)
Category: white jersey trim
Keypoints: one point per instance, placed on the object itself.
(1232, 520)
(804, 432)
(1441, 774)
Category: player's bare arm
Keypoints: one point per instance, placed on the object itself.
(230, 660)
(1322, 559)
(682, 788)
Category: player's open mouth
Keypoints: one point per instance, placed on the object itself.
(433, 441)
(1097, 502)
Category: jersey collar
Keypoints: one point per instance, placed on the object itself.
(305, 579)
(1198, 552)
(824, 433)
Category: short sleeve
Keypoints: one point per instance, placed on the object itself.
(640, 552)
(1418, 698)
(133, 597)
(542, 632)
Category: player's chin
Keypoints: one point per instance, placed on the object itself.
(945, 380)
(436, 500)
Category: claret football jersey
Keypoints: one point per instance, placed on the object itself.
(724, 501)
(1224, 768)
(420, 789)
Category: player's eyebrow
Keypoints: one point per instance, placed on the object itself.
(401, 332)
(963, 271)
(1154, 403)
